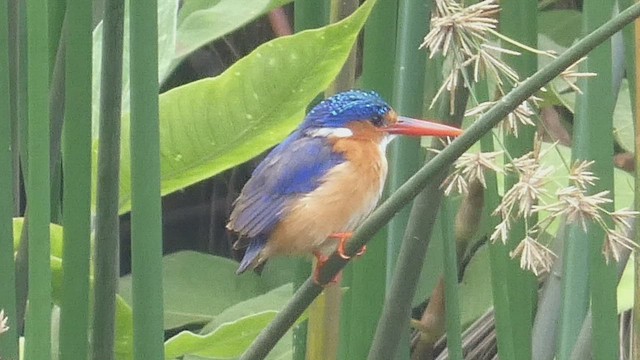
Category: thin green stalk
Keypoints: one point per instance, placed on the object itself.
(397, 310)
(362, 304)
(452, 300)
(56, 117)
(308, 14)
(517, 21)
(38, 321)
(13, 14)
(498, 253)
(107, 220)
(584, 267)
(405, 154)
(146, 211)
(267, 339)
(20, 144)
(323, 338)
(56, 18)
(9, 340)
(584, 342)
(74, 316)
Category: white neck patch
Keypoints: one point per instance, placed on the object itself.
(331, 132)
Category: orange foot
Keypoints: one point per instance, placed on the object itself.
(343, 237)
(321, 261)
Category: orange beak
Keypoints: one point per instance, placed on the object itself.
(414, 127)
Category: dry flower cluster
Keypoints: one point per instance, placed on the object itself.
(4, 322)
(530, 196)
(461, 35)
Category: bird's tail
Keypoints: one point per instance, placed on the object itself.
(250, 259)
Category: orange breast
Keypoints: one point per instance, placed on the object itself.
(349, 192)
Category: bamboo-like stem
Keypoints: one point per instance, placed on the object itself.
(74, 316)
(9, 340)
(405, 154)
(517, 22)
(19, 141)
(323, 336)
(107, 220)
(146, 211)
(310, 290)
(397, 310)
(13, 15)
(307, 14)
(56, 116)
(362, 304)
(585, 270)
(56, 25)
(38, 318)
(583, 346)
(452, 301)
(635, 65)
(498, 253)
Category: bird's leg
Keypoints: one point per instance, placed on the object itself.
(321, 261)
(343, 237)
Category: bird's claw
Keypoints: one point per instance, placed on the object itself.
(321, 261)
(343, 237)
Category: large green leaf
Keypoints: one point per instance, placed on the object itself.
(211, 125)
(228, 341)
(562, 26)
(202, 21)
(198, 287)
(274, 300)
(167, 23)
(55, 235)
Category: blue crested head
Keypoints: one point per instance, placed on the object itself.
(345, 107)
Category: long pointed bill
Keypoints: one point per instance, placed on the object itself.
(414, 127)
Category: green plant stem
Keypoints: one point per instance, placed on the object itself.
(19, 143)
(38, 321)
(396, 313)
(452, 301)
(9, 340)
(310, 290)
(74, 316)
(517, 22)
(146, 211)
(584, 342)
(362, 304)
(56, 116)
(13, 15)
(323, 338)
(308, 14)
(108, 180)
(498, 253)
(405, 154)
(585, 270)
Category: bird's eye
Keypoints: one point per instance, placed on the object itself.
(377, 120)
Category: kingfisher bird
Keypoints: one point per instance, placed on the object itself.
(320, 183)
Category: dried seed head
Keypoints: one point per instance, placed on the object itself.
(579, 207)
(522, 115)
(4, 322)
(570, 76)
(614, 242)
(454, 26)
(622, 218)
(534, 256)
(527, 192)
(501, 231)
(469, 168)
(581, 175)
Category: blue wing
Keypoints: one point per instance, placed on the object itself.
(293, 168)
